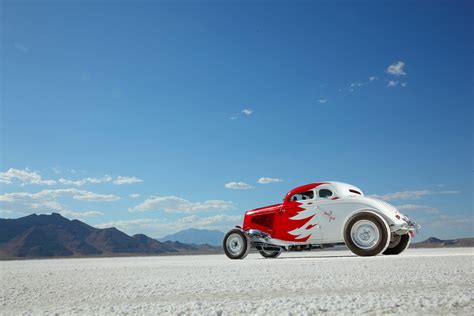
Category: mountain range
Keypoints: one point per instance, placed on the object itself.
(434, 242)
(56, 236)
(196, 236)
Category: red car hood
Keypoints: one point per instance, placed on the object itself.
(265, 209)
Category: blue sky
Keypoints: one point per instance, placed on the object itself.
(137, 115)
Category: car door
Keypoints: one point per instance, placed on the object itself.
(330, 214)
(298, 219)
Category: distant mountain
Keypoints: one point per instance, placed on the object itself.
(197, 236)
(434, 242)
(54, 235)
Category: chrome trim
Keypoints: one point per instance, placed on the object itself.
(257, 234)
(407, 226)
(412, 226)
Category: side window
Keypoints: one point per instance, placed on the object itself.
(325, 193)
(308, 195)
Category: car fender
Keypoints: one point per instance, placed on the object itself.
(374, 212)
(387, 211)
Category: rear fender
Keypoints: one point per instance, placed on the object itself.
(382, 216)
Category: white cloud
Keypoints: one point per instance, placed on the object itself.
(52, 195)
(11, 214)
(45, 201)
(238, 186)
(174, 204)
(134, 195)
(404, 195)
(322, 100)
(247, 111)
(416, 207)
(396, 69)
(372, 78)
(410, 195)
(452, 221)
(25, 176)
(403, 84)
(95, 197)
(264, 180)
(72, 182)
(127, 180)
(80, 182)
(392, 83)
(105, 179)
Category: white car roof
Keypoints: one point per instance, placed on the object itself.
(344, 189)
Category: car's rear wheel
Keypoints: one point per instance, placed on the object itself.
(236, 244)
(367, 234)
(270, 253)
(398, 244)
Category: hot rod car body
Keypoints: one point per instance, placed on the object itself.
(320, 215)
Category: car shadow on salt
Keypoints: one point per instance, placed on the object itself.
(310, 257)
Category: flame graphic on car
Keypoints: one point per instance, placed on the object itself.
(305, 231)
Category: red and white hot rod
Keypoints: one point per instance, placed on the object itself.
(321, 215)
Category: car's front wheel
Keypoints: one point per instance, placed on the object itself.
(367, 234)
(398, 244)
(236, 244)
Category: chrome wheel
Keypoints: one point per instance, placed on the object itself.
(235, 244)
(365, 234)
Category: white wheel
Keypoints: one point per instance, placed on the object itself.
(365, 234)
(236, 244)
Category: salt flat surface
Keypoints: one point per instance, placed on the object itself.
(420, 281)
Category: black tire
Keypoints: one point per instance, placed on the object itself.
(400, 246)
(378, 226)
(270, 253)
(236, 244)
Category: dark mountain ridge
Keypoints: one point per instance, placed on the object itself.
(54, 235)
(196, 236)
(434, 242)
